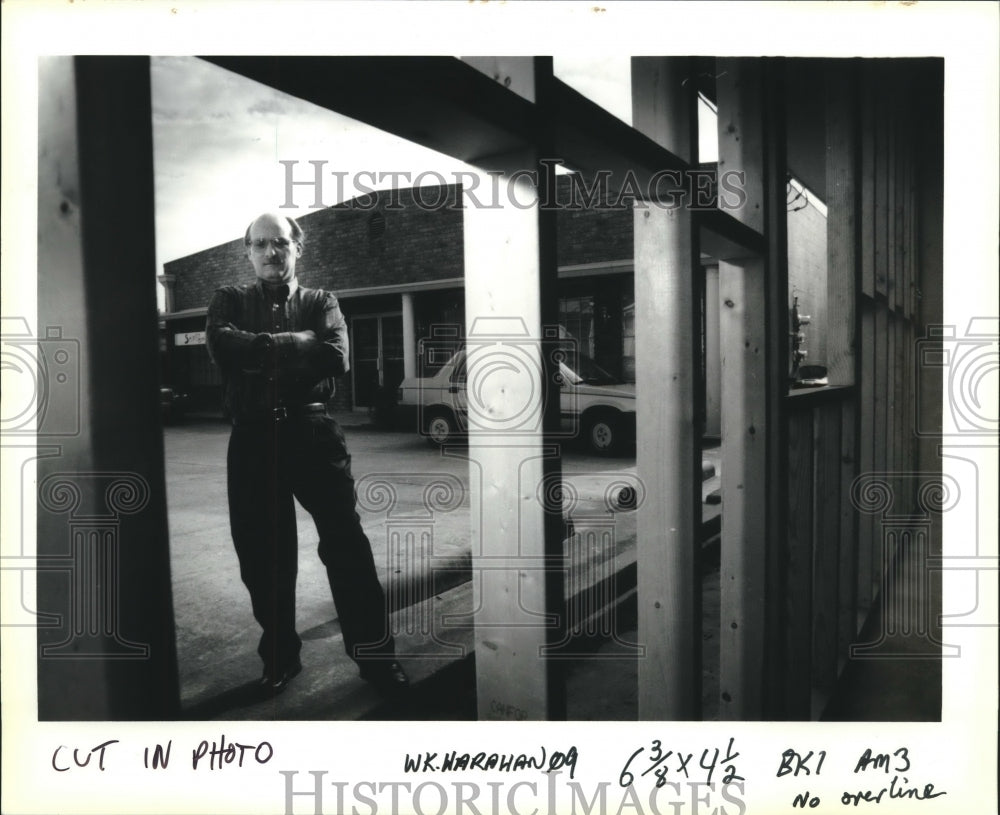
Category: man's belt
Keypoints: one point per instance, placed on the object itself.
(278, 414)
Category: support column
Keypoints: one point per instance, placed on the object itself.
(744, 460)
(713, 359)
(751, 293)
(99, 310)
(409, 337)
(168, 281)
(842, 192)
(513, 400)
(668, 444)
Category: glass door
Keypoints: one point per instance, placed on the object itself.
(377, 351)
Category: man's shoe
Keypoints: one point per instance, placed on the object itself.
(388, 677)
(275, 682)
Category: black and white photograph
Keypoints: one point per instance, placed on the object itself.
(394, 426)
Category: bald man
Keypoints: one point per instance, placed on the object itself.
(279, 346)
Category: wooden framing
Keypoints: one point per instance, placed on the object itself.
(849, 560)
(114, 655)
(842, 195)
(516, 613)
(510, 275)
(891, 467)
(798, 557)
(752, 292)
(777, 656)
(881, 418)
(668, 444)
(798, 564)
(744, 455)
(866, 244)
(849, 193)
(891, 176)
(880, 233)
(827, 552)
(713, 354)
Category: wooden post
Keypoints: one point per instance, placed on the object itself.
(713, 354)
(409, 336)
(901, 134)
(845, 191)
(880, 234)
(928, 271)
(516, 546)
(776, 318)
(744, 428)
(797, 599)
(891, 161)
(868, 534)
(867, 237)
(880, 379)
(889, 382)
(667, 375)
(751, 296)
(904, 462)
(503, 322)
(841, 224)
(849, 528)
(102, 503)
(826, 551)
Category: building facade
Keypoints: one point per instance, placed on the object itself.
(395, 260)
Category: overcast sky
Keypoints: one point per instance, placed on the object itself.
(218, 139)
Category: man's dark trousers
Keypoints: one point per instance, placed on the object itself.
(304, 456)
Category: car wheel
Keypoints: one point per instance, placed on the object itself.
(603, 435)
(440, 429)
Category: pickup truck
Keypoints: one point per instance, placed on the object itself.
(594, 406)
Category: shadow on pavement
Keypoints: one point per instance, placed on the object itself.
(448, 695)
(245, 695)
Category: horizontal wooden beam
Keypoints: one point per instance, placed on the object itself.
(725, 238)
(438, 102)
(593, 139)
(450, 106)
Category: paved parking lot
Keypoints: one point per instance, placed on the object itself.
(216, 632)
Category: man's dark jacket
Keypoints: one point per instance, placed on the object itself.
(276, 352)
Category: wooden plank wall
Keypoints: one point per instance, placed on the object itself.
(821, 550)
(800, 545)
(850, 539)
(827, 421)
(833, 556)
